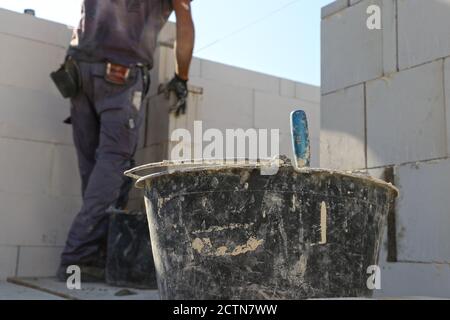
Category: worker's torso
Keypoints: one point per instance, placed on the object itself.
(120, 31)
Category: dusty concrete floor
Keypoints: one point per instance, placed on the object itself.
(51, 289)
(9, 291)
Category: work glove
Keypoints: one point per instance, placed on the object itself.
(179, 87)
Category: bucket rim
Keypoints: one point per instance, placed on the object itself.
(192, 166)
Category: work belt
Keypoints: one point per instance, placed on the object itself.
(68, 77)
(119, 74)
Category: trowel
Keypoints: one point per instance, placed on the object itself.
(300, 139)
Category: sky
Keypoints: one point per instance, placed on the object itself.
(281, 38)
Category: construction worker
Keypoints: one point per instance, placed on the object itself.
(112, 50)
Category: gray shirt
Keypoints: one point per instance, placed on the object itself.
(119, 31)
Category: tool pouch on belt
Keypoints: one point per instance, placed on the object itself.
(117, 74)
(67, 79)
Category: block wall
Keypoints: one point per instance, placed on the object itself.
(39, 187)
(385, 104)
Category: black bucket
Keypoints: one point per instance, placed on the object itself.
(129, 262)
(228, 232)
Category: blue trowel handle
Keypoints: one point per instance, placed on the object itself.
(300, 139)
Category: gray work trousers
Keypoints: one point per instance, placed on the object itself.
(106, 119)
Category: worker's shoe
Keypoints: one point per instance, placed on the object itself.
(88, 273)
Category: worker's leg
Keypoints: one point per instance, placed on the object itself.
(86, 129)
(127, 185)
(120, 119)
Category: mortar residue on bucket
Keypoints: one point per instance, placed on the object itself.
(228, 232)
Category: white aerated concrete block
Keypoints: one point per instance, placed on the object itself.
(19, 70)
(182, 149)
(165, 68)
(34, 115)
(154, 153)
(389, 30)
(35, 29)
(168, 34)
(157, 121)
(287, 88)
(38, 261)
(65, 174)
(8, 261)
(273, 112)
(414, 280)
(25, 166)
(185, 121)
(406, 116)
(36, 219)
(401, 280)
(351, 53)
(447, 100)
(405, 280)
(423, 31)
(307, 92)
(226, 103)
(224, 125)
(239, 77)
(195, 68)
(160, 124)
(334, 7)
(343, 130)
(423, 213)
